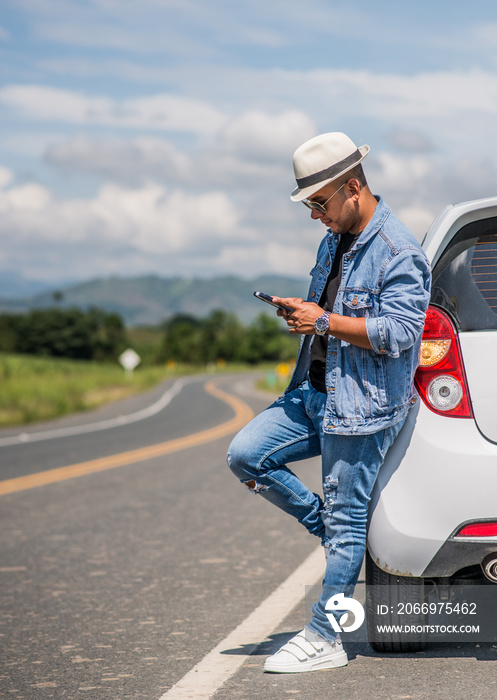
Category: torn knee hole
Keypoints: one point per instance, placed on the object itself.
(330, 487)
(330, 484)
(328, 505)
(331, 545)
(254, 487)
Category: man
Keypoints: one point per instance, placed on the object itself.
(353, 383)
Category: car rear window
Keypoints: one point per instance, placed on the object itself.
(465, 277)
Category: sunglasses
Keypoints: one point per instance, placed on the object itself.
(321, 208)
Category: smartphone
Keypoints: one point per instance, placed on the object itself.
(269, 300)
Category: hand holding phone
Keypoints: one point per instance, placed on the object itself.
(269, 300)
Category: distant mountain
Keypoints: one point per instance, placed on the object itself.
(15, 286)
(151, 299)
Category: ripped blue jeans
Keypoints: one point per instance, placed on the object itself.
(291, 430)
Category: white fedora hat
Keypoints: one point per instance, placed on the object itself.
(321, 160)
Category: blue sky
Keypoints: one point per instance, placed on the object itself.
(157, 137)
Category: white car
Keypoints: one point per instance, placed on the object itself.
(433, 515)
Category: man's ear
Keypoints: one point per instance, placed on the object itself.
(354, 187)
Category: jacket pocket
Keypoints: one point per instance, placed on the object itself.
(357, 302)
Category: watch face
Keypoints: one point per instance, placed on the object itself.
(322, 323)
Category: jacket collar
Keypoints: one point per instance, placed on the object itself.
(380, 215)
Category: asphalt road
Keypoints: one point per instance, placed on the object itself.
(118, 578)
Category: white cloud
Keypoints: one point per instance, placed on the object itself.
(485, 32)
(156, 112)
(449, 105)
(158, 222)
(411, 140)
(454, 109)
(260, 136)
(120, 160)
(417, 219)
(132, 230)
(404, 174)
(145, 29)
(156, 228)
(183, 27)
(150, 219)
(418, 187)
(266, 257)
(28, 198)
(101, 34)
(254, 148)
(390, 97)
(6, 177)
(179, 119)
(133, 162)
(122, 69)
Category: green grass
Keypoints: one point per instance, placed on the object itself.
(39, 388)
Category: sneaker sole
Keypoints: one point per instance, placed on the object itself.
(336, 661)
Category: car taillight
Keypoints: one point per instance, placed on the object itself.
(483, 529)
(440, 378)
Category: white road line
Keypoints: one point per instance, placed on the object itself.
(116, 422)
(209, 674)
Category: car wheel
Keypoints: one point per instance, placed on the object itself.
(392, 604)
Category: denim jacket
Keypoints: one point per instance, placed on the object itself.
(386, 279)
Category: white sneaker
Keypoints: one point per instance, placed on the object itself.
(307, 651)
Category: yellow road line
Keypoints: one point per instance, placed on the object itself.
(243, 413)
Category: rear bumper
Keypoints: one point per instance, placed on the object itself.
(457, 554)
(440, 473)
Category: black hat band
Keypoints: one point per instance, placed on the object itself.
(331, 172)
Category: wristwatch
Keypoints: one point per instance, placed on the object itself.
(322, 324)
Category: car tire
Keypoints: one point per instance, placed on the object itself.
(390, 600)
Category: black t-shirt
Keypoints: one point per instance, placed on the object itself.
(319, 345)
